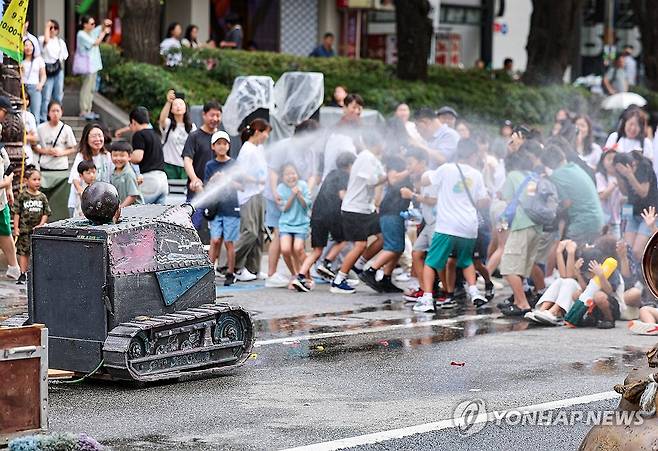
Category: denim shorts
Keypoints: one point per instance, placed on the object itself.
(295, 236)
(272, 214)
(393, 232)
(635, 224)
(227, 227)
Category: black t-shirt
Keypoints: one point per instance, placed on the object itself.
(644, 173)
(197, 147)
(393, 203)
(149, 142)
(327, 204)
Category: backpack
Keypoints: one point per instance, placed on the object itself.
(541, 206)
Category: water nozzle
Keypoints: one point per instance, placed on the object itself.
(188, 208)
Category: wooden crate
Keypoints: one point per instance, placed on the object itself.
(24, 376)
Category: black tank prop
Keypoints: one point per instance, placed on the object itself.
(136, 298)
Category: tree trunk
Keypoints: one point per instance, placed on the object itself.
(646, 15)
(553, 34)
(414, 36)
(140, 21)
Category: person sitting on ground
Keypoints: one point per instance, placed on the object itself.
(359, 216)
(460, 190)
(123, 177)
(295, 204)
(326, 209)
(30, 210)
(225, 223)
(561, 294)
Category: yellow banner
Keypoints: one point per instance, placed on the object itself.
(11, 29)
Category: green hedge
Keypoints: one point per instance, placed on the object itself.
(475, 94)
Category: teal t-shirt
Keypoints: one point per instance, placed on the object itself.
(296, 219)
(585, 213)
(512, 182)
(126, 184)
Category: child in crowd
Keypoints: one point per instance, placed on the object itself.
(225, 225)
(423, 197)
(31, 210)
(359, 218)
(460, 190)
(87, 172)
(609, 192)
(392, 226)
(295, 204)
(326, 210)
(123, 178)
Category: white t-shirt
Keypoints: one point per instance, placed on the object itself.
(172, 57)
(104, 169)
(625, 145)
(593, 158)
(47, 136)
(336, 144)
(4, 165)
(366, 172)
(251, 161)
(173, 147)
(31, 70)
(54, 51)
(455, 214)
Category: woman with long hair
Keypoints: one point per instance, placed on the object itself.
(191, 39)
(34, 77)
(588, 150)
(253, 176)
(170, 47)
(631, 133)
(88, 61)
(175, 127)
(91, 148)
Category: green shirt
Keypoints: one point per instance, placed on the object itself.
(512, 182)
(585, 213)
(30, 208)
(126, 184)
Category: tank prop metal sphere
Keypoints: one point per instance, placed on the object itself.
(100, 202)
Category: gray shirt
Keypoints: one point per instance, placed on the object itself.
(617, 78)
(445, 140)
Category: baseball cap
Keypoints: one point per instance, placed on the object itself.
(5, 104)
(447, 110)
(218, 135)
(508, 123)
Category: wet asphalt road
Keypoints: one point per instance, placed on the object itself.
(377, 366)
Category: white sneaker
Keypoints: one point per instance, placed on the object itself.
(14, 272)
(277, 281)
(639, 328)
(353, 282)
(244, 275)
(262, 276)
(423, 305)
(547, 318)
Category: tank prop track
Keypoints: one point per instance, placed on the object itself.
(204, 340)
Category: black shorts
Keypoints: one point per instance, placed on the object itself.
(359, 226)
(321, 229)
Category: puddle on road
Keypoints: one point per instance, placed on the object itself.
(622, 360)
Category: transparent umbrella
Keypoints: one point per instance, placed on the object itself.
(623, 100)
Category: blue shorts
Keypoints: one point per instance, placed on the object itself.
(272, 214)
(635, 224)
(393, 232)
(295, 236)
(227, 227)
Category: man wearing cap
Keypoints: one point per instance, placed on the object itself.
(435, 129)
(6, 198)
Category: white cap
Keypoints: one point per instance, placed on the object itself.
(218, 135)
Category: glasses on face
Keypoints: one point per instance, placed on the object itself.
(92, 23)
